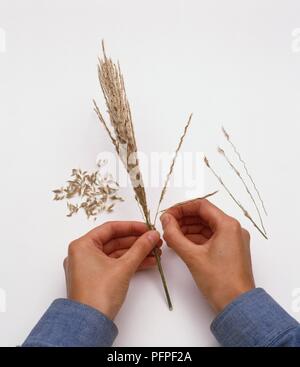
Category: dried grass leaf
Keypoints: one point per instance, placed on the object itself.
(245, 168)
(190, 200)
(246, 213)
(236, 171)
(163, 192)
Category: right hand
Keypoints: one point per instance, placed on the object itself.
(215, 248)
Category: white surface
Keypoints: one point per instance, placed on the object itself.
(229, 62)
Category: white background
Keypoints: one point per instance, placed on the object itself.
(229, 62)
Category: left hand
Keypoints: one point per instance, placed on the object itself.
(100, 264)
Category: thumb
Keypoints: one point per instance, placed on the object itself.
(141, 249)
(174, 236)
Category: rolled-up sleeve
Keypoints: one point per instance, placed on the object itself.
(71, 324)
(255, 320)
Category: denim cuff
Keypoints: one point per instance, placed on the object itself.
(254, 319)
(68, 323)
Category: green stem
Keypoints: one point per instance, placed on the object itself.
(160, 269)
(163, 279)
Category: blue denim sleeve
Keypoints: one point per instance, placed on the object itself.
(71, 324)
(255, 320)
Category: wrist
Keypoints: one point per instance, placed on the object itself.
(100, 305)
(220, 299)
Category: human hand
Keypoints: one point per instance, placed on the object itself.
(215, 248)
(100, 264)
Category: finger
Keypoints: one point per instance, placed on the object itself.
(174, 236)
(119, 253)
(65, 264)
(193, 219)
(121, 243)
(140, 250)
(212, 215)
(246, 236)
(196, 229)
(66, 268)
(189, 209)
(208, 212)
(148, 263)
(198, 239)
(110, 230)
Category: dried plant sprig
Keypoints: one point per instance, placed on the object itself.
(96, 109)
(227, 136)
(190, 201)
(163, 192)
(236, 171)
(123, 138)
(96, 193)
(246, 213)
(163, 278)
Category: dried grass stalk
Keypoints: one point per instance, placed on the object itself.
(246, 213)
(236, 171)
(123, 138)
(163, 192)
(227, 136)
(190, 200)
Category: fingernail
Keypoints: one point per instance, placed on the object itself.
(165, 218)
(153, 236)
